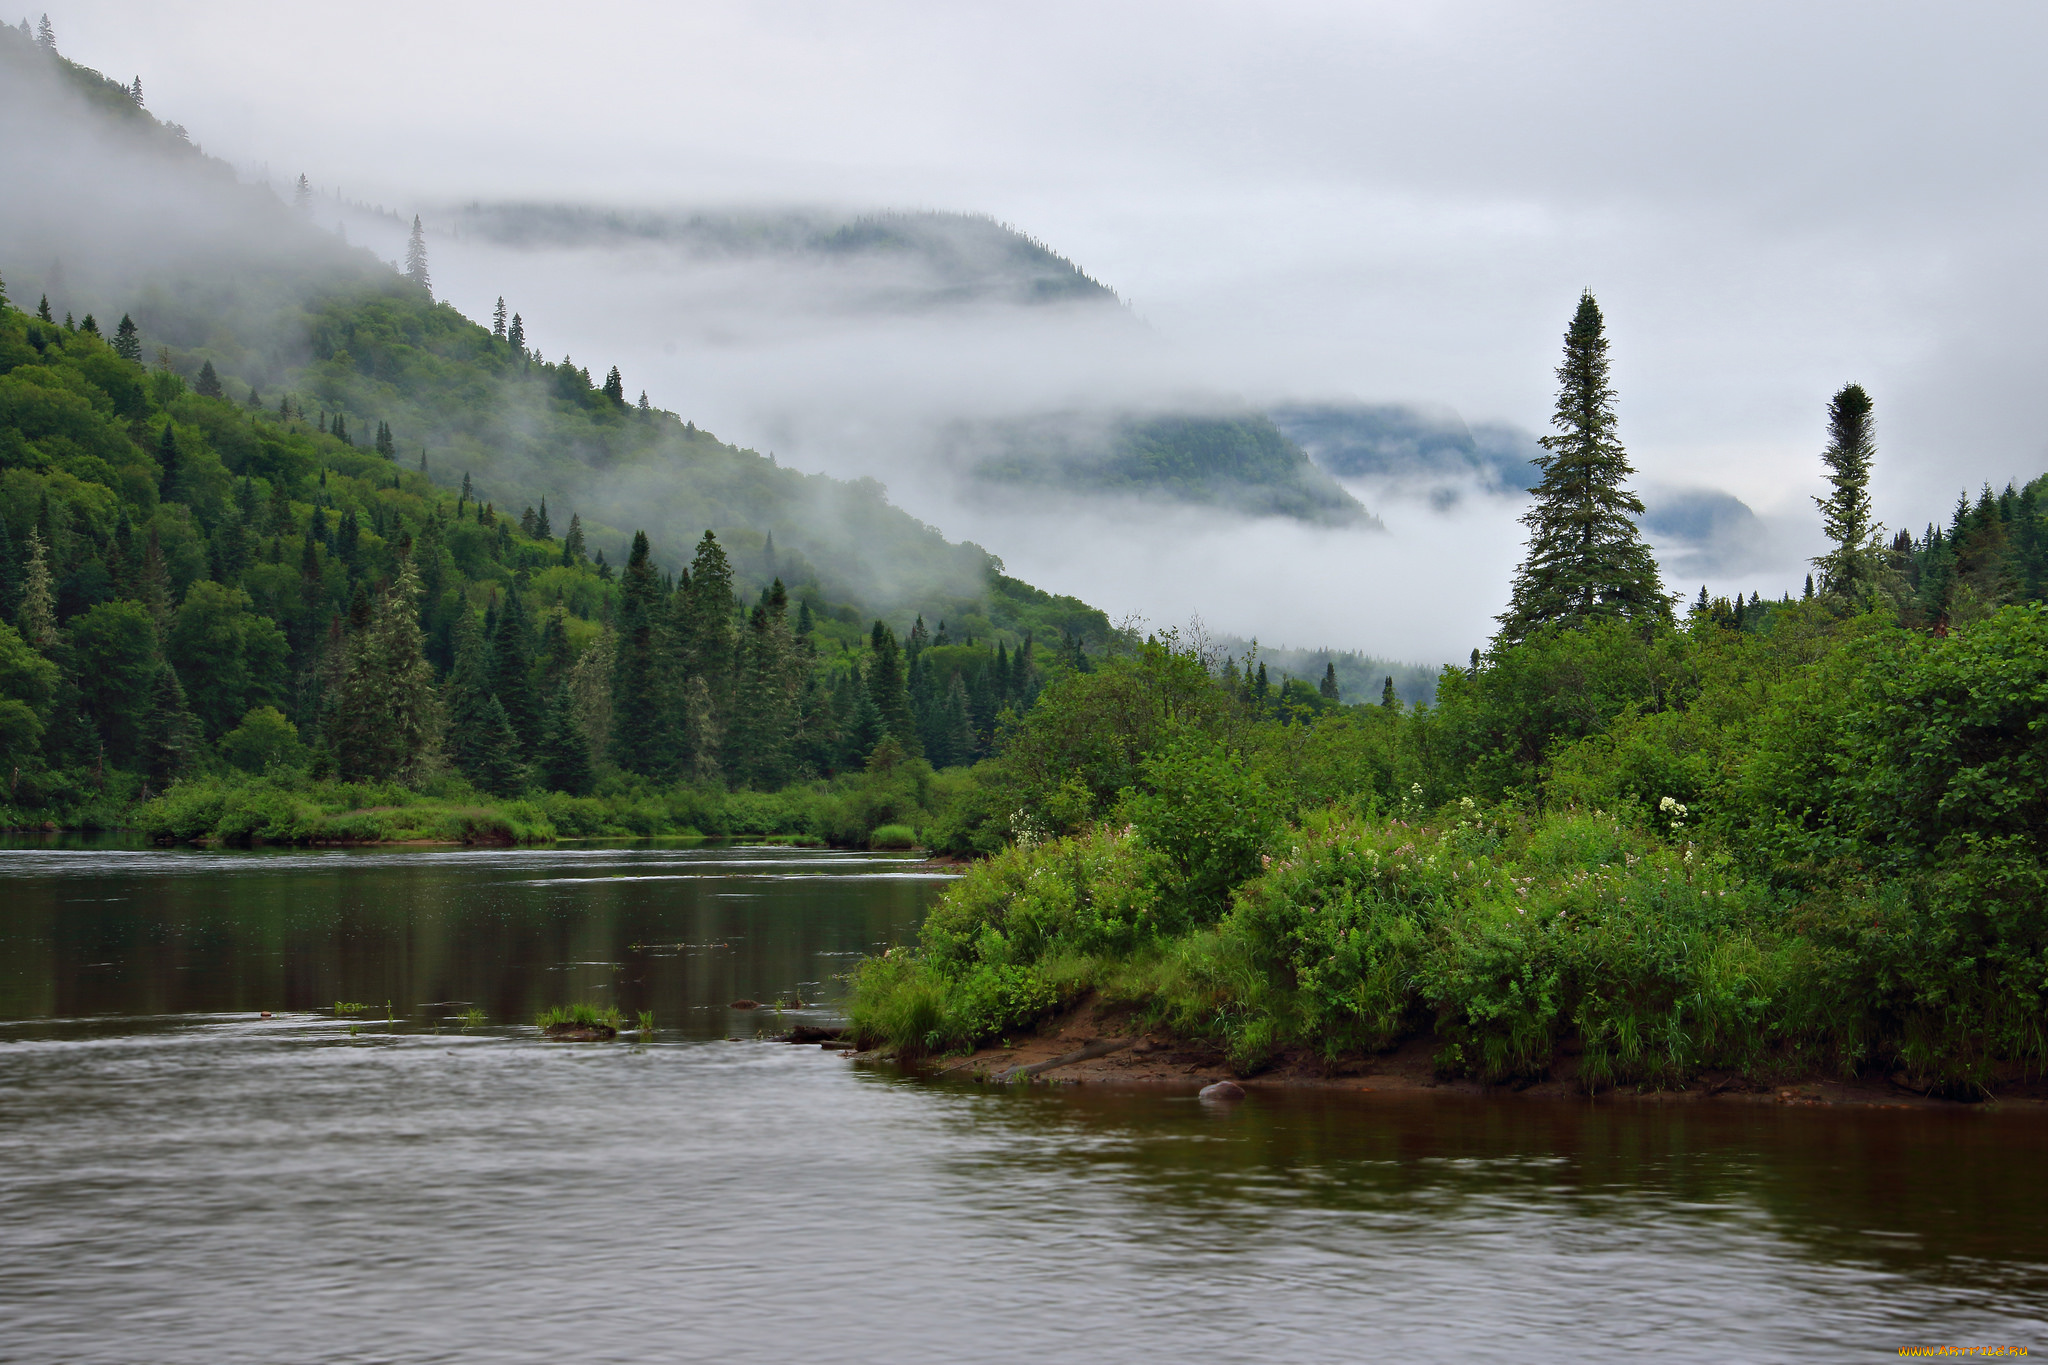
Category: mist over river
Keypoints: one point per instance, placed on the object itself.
(184, 1180)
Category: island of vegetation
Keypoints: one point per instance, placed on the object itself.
(1769, 840)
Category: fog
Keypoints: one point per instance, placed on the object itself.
(1296, 202)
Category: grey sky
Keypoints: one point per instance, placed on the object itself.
(1392, 202)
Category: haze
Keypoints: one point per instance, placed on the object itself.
(1299, 201)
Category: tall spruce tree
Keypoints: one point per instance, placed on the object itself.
(564, 754)
(480, 738)
(642, 725)
(416, 257)
(1327, 689)
(1586, 559)
(387, 721)
(127, 344)
(1849, 571)
(511, 647)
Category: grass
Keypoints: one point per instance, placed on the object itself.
(348, 1007)
(473, 1017)
(646, 1023)
(893, 837)
(581, 1015)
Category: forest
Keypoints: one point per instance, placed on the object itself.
(1625, 844)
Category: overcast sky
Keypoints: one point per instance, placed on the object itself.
(1397, 202)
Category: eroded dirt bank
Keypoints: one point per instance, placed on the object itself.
(1089, 1045)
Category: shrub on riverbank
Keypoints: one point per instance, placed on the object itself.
(1843, 869)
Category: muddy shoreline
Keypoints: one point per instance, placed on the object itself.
(1089, 1046)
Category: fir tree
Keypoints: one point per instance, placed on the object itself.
(46, 37)
(89, 327)
(386, 447)
(511, 646)
(208, 385)
(43, 310)
(642, 727)
(1586, 559)
(615, 388)
(1848, 571)
(387, 720)
(416, 257)
(302, 195)
(1389, 698)
(169, 731)
(480, 738)
(540, 522)
(498, 319)
(517, 335)
(886, 686)
(37, 615)
(135, 93)
(1327, 690)
(572, 542)
(564, 755)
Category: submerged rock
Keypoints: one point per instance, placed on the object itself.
(812, 1033)
(579, 1033)
(1222, 1091)
(745, 1005)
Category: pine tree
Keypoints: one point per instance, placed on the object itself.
(386, 447)
(135, 93)
(498, 319)
(517, 335)
(706, 642)
(37, 615)
(46, 37)
(886, 686)
(1586, 559)
(1849, 570)
(564, 755)
(387, 720)
(416, 257)
(615, 388)
(89, 327)
(540, 522)
(302, 195)
(43, 310)
(572, 543)
(208, 385)
(1328, 690)
(861, 726)
(1389, 698)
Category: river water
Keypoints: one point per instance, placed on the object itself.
(183, 1180)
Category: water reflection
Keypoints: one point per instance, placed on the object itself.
(184, 1181)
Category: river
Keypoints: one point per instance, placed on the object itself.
(182, 1179)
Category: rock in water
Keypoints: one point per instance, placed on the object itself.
(1222, 1091)
(579, 1033)
(745, 1005)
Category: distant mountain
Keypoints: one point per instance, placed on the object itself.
(1425, 451)
(890, 261)
(1239, 463)
(108, 211)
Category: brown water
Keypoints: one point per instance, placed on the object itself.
(183, 1181)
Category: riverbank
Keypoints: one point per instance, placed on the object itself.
(1097, 1045)
(886, 809)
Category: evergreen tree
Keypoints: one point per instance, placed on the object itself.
(37, 615)
(540, 522)
(572, 543)
(1328, 689)
(615, 388)
(1848, 571)
(208, 385)
(416, 257)
(512, 669)
(1389, 698)
(1586, 559)
(517, 334)
(707, 642)
(135, 93)
(89, 327)
(302, 195)
(641, 739)
(886, 687)
(861, 726)
(43, 310)
(170, 730)
(564, 756)
(480, 738)
(498, 319)
(386, 447)
(46, 37)
(387, 720)
(127, 344)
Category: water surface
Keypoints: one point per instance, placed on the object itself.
(181, 1180)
